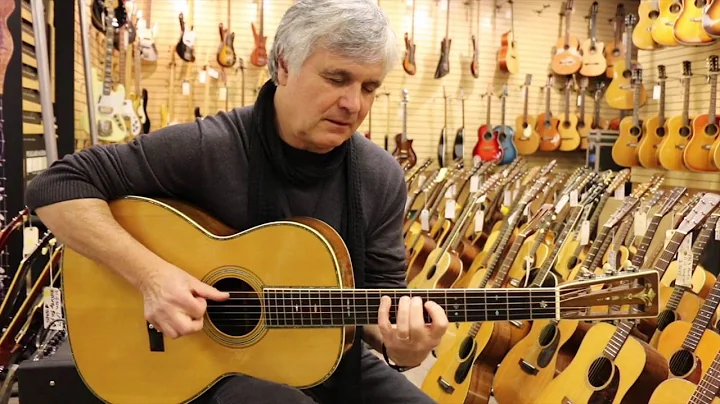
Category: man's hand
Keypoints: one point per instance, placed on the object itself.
(175, 300)
(410, 341)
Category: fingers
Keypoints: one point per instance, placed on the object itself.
(180, 325)
(439, 319)
(202, 289)
(403, 318)
(417, 318)
(384, 317)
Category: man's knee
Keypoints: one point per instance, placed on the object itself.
(245, 389)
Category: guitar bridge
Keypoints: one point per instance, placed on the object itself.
(445, 386)
(155, 337)
(527, 368)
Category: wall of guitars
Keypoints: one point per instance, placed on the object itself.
(447, 86)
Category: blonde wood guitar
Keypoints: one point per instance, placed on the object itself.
(679, 130)
(615, 51)
(663, 29)
(697, 155)
(690, 346)
(688, 29)
(675, 390)
(271, 305)
(625, 148)
(527, 139)
(648, 12)
(655, 129)
(569, 135)
(620, 94)
(567, 59)
(593, 52)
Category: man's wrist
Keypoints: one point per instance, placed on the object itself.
(392, 364)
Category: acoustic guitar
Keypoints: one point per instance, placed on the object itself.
(569, 136)
(547, 124)
(679, 130)
(648, 12)
(527, 139)
(508, 57)
(475, 64)
(185, 47)
(459, 144)
(625, 149)
(620, 93)
(583, 124)
(409, 60)
(677, 390)
(697, 155)
(505, 134)
(615, 51)
(443, 67)
(655, 128)
(317, 308)
(488, 146)
(663, 29)
(711, 19)
(688, 29)
(593, 59)
(259, 53)
(404, 152)
(567, 59)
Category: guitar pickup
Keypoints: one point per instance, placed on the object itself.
(527, 368)
(155, 338)
(445, 386)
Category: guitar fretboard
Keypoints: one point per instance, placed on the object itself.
(709, 386)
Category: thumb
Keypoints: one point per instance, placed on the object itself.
(204, 290)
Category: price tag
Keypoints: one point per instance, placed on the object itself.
(213, 73)
(508, 14)
(507, 198)
(574, 197)
(474, 184)
(656, 92)
(668, 236)
(620, 192)
(479, 220)
(482, 198)
(585, 233)
(421, 180)
(52, 308)
(685, 263)
(561, 203)
(526, 211)
(450, 209)
(640, 223)
(222, 93)
(579, 100)
(476, 159)
(425, 220)
(202, 77)
(185, 87)
(31, 236)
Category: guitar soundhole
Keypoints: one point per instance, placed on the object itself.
(547, 124)
(566, 125)
(711, 130)
(635, 131)
(502, 136)
(466, 347)
(487, 136)
(665, 318)
(681, 363)
(547, 335)
(627, 74)
(660, 132)
(240, 314)
(525, 125)
(581, 125)
(654, 14)
(600, 372)
(675, 8)
(684, 131)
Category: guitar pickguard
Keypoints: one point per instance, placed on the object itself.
(467, 352)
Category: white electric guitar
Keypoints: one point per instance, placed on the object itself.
(146, 38)
(128, 110)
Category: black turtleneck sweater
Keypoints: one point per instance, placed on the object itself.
(205, 163)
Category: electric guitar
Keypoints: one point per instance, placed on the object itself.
(567, 59)
(146, 37)
(655, 128)
(505, 134)
(226, 52)
(404, 153)
(569, 135)
(259, 54)
(697, 155)
(547, 124)
(459, 146)
(442, 143)
(593, 52)
(140, 96)
(625, 148)
(409, 60)
(128, 110)
(620, 93)
(679, 129)
(711, 19)
(443, 67)
(185, 47)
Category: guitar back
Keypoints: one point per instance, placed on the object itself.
(711, 19)
(259, 53)
(409, 60)
(443, 67)
(663, 28)
(508, 57)
(688, 29)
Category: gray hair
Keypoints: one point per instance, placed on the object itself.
(357, 29)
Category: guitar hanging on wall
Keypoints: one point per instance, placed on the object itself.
(409, 60)
(459, 148)
(404, 153)
(442, 143)
(185, 46)
(475, 64)
(508, 57)
(443, 67)
(259, 54)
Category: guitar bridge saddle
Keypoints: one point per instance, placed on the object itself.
(516, 323)
(445, 386)
(527, 368)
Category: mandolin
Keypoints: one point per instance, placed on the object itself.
(505, 134)
(593, 52)
(404, 152)
(688, 29)
(409, 60)
(648, 12)
(547, 125)
(679, 129)
(620, 93)
(663, 31)
(508, 57)
(711, 19)
(443, 67)
(527, 139)
(569, 135)
(459, 145)
(567, 59)
(697, 155)
(625, 148)
(488, 146)
(655, 128)
(185, 47)
(616, 50)
(583, 124)
(259, 53)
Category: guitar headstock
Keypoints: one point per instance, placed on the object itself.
(550, 81)
(504, 92)
(686, 68)
(630, 21)
(713, 66)
(639, 289)
(584, 84)
(662, 76)
(404, 96)
(671, 200)
(594, 9)
(536, 220)
(528, 80)
(636, 76)
(699, 212)
(599, 90)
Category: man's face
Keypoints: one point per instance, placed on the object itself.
(325, 102)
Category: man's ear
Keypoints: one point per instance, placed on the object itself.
(282, 71)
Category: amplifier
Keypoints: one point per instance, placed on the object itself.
(52, 380)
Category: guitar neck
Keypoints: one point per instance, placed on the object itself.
(618, 339)
(707, 383)
(550, 260)
(639, 257)
(636, 104)
(526, 95)
(581, 117)
(507, 262)
(404, 136)
(703, 318)
(713, 94)
(661, 108)
(107, 79)
(686, 102)
(567, 104)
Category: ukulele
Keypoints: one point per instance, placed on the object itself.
(620, 94)
(459, 148)
(409, 60)
(505, 134)
(475, 64)
(443, 67)
(655, 128)
(527, 139)
(569, 136)
(259, 53)
(442, 143)
(688, 29)
(567, 59)
(488, 147)
(404, 152)
(583, 126)
(663, 31)
(593, 59)
(648, 12)
(508, 56)
(185, 46)
(615, 51)
(711, 19)
(547, 125)
(697, 155)
(679, 130)
(624, 151)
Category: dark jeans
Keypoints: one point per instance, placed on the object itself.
(380, 383)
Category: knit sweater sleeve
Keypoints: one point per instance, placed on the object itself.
(164, 163)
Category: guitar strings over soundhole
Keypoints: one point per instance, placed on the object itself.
(600, 372)
(238, 315)
(711, 129)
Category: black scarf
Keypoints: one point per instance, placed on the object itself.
(270, 170)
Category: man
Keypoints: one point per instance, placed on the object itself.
(294, 153)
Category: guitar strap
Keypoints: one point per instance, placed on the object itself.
(269, 169)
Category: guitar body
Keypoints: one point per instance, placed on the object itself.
(697, 152)
(715, 154)
(458, 145)
(508, 56)
(670, 151)
(527, 140)
(711, 19)
(702, 281)
(130, 113)
(630, 378)
(642, 35)
(663, 31)
(614, 53)
(226, 56)
(259, 53)
(443, 67)
(142, 111)
(671, 342)
(109, 114)
(648, 147)
(593, 60)
(625, 149)
(100, 305)
(404, 151)
(569, 136)
(505, 136)
(531, 364)
(619, 94)
(488, 146)
(676, 390)
(687, 309)
(688, 28)
(409, 60)
(185, 46)
(567, 59)
(548, 131)
(441, 270)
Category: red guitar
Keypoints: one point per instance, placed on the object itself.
(488, 147)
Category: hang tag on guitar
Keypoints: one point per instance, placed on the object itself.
(52, 308)
(640, 223)
(425, 220)
(31, 236)
(574, 197)
(213, 73)
(620, 192)
(526, 211)
(579, 100)
(474, 184)
(656, 92)
(450, 209)
(421, 180)
(561, 204)
(507, 198)
(185, 87)
(508, 14)
(479, 220)
(585, 233)
(222, 94)
(685, 262)
(668, 236)
(450, 193)
(202, 76)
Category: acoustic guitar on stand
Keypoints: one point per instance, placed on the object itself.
(648, 12)
(615, 50)
(679, 129)
(593, 52)
(505, 134)
(697, 155)
(508, 57)
(620, 93)
(688, 29)
(655, 128)
(569, 135)
(527, 139)
(488, 146)
(625, 149)
(443, 67)
(663, 29)
(547, 125)
(409, 59)
(567, 59)
(259, 53)
(404, 152)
